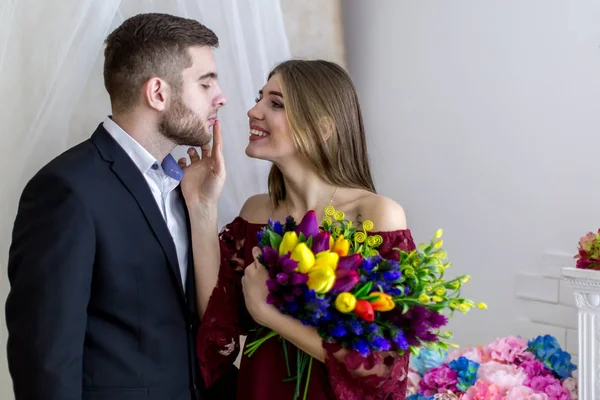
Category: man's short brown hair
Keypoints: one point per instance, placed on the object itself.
(148, 45)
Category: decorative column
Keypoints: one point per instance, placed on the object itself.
(586, 287)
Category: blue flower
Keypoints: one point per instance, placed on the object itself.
(370, 263)
(547, 350)
(276, 227)
(399, 339)
(362, 347)
(338, 331)
(428, 359)
(543, 347)
(561, 364)
(392, 276)
(380, 344)
(466, 371)
(355, 327)
(419, 397)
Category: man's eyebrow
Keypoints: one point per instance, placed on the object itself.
(212, 75)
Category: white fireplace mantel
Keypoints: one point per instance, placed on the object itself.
(586, 288)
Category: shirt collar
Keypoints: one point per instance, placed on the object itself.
(138, 154)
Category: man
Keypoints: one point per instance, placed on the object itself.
(102, 302)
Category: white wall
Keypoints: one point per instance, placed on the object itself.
(483, 119)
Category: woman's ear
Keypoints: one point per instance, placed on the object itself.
(326, 127)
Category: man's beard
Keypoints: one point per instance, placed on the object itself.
(180, 125)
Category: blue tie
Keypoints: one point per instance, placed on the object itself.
(171, 168)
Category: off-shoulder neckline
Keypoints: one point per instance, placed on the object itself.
(260, 225)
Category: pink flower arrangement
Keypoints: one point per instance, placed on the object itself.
(442, 379)
(588, 256)
(509, 368)
(509, 349)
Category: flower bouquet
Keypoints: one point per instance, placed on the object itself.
(509, 368)
(588, 256)
(331, 276)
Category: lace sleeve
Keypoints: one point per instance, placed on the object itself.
(219, 332)
(380, 375)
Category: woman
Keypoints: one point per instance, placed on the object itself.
(307, 122)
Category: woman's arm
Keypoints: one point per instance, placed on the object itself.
(304, 337)
(206, 253)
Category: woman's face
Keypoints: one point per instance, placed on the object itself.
(270, 133)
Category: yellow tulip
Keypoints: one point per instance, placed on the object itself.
(345, 302)
(288, 243)
(304, 256)
(326, 258)
(383, 303)
(341, 246)
(321, 279)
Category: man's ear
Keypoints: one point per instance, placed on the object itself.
(326, 127)
(156, 93)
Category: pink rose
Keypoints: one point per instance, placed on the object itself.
(504, 376)
(483, 390)
(535, 368)
(524, 393)
(509, 349)
(549, 385)
(442, 379)
(570, 386)
(479, 354)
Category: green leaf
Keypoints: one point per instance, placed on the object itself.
(364, 290)
(302, 237)
(405, 309)
(275, 240)
(309, 242)
(368, 298)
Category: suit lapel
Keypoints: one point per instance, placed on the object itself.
(134, 181)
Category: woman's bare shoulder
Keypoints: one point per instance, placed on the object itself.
(385, 213)
(257, 209)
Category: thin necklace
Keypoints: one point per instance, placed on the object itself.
(287, 205)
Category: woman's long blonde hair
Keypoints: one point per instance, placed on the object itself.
(322, 108)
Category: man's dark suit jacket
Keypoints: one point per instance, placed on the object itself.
(97, 309)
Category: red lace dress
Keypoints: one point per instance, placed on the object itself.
(261, 377)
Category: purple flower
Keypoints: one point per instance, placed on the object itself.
(288, 265)
(345, 280)
(418, 323)
(321, 242)
(282, 278)
(439, 380)
(309, 225)
(270, 256)
(349, 263)
(298, 278)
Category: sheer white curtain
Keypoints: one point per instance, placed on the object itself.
(53, 93)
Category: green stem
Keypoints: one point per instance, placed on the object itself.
(287, 361)
(252, 347)
(307, 378)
